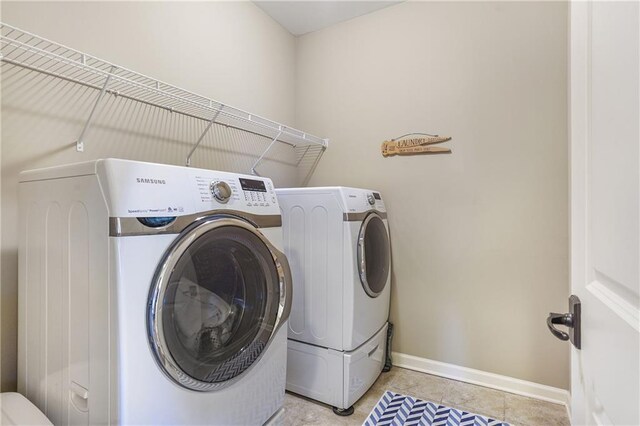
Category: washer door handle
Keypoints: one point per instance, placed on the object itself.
(362, 262)
(286, 285)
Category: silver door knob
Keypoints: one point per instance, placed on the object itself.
(371, 199)
(221, 191)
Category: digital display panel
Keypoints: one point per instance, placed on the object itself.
(376, 195)
(252, 185)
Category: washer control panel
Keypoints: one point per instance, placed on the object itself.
(220, 190)
(236, 192)
(257, 192)
(216, 190)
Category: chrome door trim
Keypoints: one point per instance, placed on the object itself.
(356, 217)
(362, 262)
(155, 332)
(131, 226)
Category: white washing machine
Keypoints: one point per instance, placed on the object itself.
(151, 294)
(337, 243)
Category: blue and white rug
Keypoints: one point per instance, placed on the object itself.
(401, 410)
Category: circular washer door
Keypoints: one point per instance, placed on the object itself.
(218, 296)
(374, 259)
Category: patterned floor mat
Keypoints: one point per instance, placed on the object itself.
(396, 410)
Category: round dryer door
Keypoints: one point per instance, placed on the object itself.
(218, 297)
(374, 258)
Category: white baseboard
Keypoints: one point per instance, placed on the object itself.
(482, 378)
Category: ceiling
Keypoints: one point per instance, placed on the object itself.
(301, 17)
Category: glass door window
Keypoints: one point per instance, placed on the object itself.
(214, 305)
(374, 259)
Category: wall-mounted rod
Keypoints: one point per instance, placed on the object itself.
(253, 168)
(80, 141)
(33, 52)
(213, 120)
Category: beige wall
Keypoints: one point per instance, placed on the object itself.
(479, 237)
(230, 51)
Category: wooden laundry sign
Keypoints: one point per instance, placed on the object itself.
(415, 146)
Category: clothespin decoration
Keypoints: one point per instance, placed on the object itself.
(415, 145)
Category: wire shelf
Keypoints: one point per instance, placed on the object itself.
(23, 49)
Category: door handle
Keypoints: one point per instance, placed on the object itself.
(570, 320)
(562, 319)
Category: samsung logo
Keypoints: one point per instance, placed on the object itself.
(153, 181)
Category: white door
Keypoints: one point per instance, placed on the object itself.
(605, 225)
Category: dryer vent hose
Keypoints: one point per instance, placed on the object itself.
(387, 363)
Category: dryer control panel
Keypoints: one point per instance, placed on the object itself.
(361, 200)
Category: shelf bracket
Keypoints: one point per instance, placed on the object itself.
(313, 167)
(80, 141)
(206, 130)
(302, 156)
(253, 168)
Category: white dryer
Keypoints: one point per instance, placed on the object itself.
(337, 243)
(151, 294)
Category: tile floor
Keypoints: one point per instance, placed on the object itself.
(514, 409)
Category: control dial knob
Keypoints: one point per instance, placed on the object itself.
(220, 190)
(371, 199)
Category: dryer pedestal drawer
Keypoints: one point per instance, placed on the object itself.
(315, 372)
(334, 377)
(363, 366)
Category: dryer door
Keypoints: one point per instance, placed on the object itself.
(218, 296)
(374, 258)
